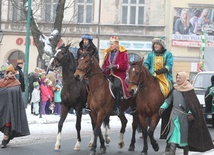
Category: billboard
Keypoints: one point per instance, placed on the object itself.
(188, 24)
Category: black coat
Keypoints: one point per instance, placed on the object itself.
(92, 49)
(20, 77)
(12, 111)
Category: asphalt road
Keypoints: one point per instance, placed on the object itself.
(46, 146)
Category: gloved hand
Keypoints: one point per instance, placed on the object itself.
(112, 66)
(160, 112)
(190, 118)
(161, 71)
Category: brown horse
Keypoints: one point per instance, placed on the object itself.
(73, 95)
(100, 100)
(149, 98)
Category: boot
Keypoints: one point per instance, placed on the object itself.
(133, 110)
(117, 106)
(167, 148)
(172, 149)
(87, 109)
(5, 141)
(186, 150)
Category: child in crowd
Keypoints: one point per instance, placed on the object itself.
(35, 98)
(57, 99)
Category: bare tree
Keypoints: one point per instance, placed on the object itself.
(43, 42)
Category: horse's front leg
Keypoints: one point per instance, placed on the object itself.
(144, 126)
(154, 121)
(106, 126)
(124, 121)
(135, 123)
(64, 112)
(78, 128)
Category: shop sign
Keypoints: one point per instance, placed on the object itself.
(129, 45)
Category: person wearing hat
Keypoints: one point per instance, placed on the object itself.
(159, 63)
(115, 66)
(86, 45)
(13, 115)
(20, 74)
(35, 100)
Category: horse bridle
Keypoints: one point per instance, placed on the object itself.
(60, 61)
(138, 83)
(86, 70)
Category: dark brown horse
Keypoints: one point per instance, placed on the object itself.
(149, 98)
(100, 100)
(73, 95)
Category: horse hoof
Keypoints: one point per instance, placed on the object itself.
(108, 140)
(57, 147)
(155, 147)
(90, 144)
(131, 148)
(143, 153)
(76, 148)
(92, 153)
(121, 145)
(102, 150)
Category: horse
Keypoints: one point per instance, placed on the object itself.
(149, 98)
(100, 100)
(73, 95)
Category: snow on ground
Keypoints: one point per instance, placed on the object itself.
(45, 128)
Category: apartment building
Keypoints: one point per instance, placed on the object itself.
(135, 22)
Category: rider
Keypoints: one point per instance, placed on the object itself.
(86, 45)
(115, 66)
(160, 63)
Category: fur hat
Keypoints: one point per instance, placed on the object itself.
(87, 36)
(10, 68)
(114, 38)
(20, 61)
(160, 41)
(35, 84)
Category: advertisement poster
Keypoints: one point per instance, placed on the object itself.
(188, 25)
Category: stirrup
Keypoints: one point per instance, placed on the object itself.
(116, 111)
(133, 111)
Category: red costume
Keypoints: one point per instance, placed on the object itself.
(121, 61)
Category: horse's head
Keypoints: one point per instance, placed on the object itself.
(61, 53)
(135, 76)
(84, 64)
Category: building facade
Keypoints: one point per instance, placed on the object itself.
(135, 22)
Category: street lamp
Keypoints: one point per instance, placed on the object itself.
(1, 35)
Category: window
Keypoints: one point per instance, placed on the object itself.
(134, 57)
(12, 59)
(17, 13)
(85, 12)
(133, 12)
(50, 10)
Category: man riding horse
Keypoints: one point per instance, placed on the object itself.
(86, 45)
(160, 62)
(115, 66)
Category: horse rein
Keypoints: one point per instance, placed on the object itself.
(138, 83)
(86, 70)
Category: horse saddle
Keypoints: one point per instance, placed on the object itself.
(112, 89)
